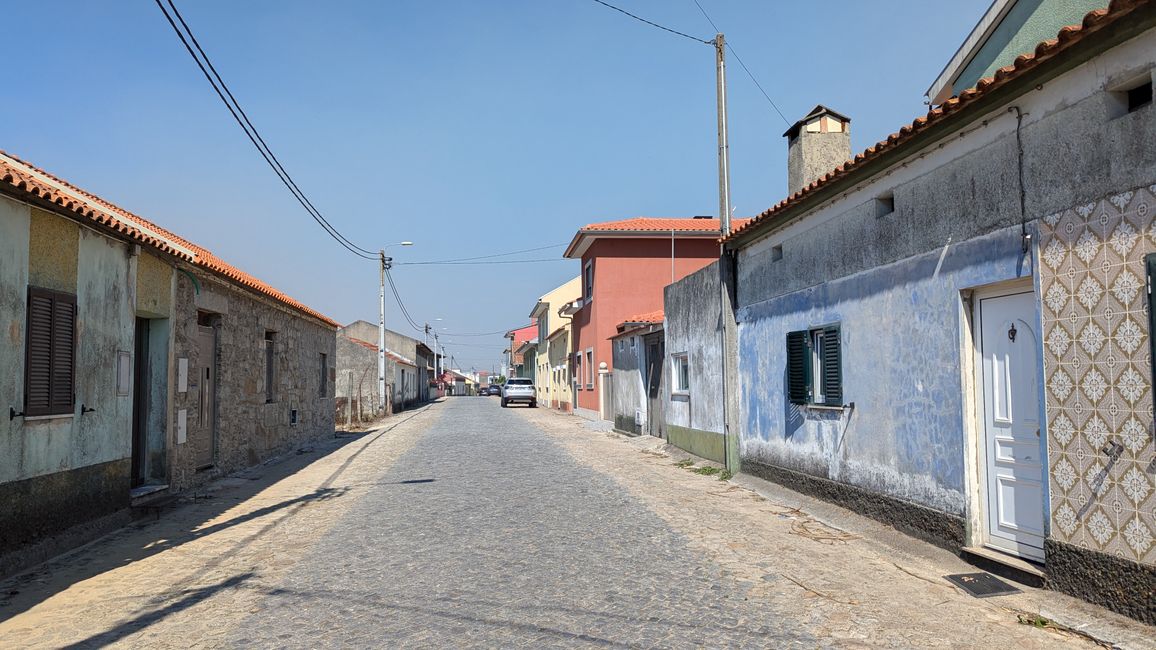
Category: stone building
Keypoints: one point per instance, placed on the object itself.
(950, 331)
(637, 385)
(136, 364)
(409, 372)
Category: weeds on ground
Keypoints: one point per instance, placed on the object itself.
(706, 471)
(725, 475)
(685, 463)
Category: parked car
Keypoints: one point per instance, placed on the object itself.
(519, 390)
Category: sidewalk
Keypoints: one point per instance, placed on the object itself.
(853, 579)
(188, 578)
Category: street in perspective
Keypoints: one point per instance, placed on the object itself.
(524, 327)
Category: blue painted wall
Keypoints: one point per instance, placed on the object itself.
(901, 330)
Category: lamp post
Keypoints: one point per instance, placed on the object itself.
(386, 263)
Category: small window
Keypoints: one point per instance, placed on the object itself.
(588, 280)
(270, 367)
(814, 367)
(590, 369)
(323, 384)
(884, 205)
(578, 371)
(681, 369)
(50, 353)
(776, 253)
(1139, 97)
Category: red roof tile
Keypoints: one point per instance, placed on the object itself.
(649, 317)
(1093, 22)
(661, 224)
(38, 186)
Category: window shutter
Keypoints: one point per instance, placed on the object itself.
(63, 353)
(832, 366)
(798, 367)
(38, 363)
(49, 373)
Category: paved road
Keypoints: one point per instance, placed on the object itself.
(486, 533)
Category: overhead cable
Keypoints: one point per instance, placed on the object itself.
(744, 66)
(485, 257)
(202, 60)
(653, 24)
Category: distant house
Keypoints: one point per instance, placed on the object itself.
(625, 265)
(552, 370)
(516, 361)
(136, 364)
(951, 331)
(408, 372)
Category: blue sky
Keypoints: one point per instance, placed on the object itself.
(469, 127)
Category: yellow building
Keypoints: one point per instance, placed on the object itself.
(551, 372)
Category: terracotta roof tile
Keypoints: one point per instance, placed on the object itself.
(1044, 51)
(38, 186)
(661, 224)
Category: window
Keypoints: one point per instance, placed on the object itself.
(578, 371)
(270, 368)
(323, 385)
(884, 205)
(1140, 96)
(681, 369)
(590, 369)
(814, 367)
(50, 355)
(776, 253)
(588, 280)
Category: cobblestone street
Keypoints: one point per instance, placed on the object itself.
(463, 524)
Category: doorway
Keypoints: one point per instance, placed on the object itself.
(1010, 459)
(203, 435)
(655, 356)
(140, 402)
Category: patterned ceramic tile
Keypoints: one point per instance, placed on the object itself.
(1098, 373)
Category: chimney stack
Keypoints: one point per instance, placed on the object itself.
(816, 145)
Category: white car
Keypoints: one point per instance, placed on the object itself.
(519, 390)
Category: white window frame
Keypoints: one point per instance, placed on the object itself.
(678, 362)
(589, 368)
(588, 281)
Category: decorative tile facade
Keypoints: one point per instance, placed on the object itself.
(1098, 371)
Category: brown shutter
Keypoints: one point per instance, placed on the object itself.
(49, 371)
(38, 360)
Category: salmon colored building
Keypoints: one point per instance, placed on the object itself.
(625, 266)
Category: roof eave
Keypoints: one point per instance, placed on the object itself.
(1102, 39)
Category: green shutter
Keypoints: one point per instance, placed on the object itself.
(1150, 266)
(832, 366)
(798, 367)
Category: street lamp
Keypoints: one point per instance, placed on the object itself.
(386, 263)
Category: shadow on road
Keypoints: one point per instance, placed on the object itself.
(145, 538)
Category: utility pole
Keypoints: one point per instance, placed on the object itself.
(728, 334)
(724, 158)
(381, 335)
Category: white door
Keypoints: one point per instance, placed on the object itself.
(1011, 403)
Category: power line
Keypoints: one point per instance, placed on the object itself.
(485, 257)
(744, 66)
(540, 259)
(242, 119)
(652, 24)
(401, 305)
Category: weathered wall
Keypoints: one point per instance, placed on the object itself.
(901, 368)
(249, 429)
(628, 391)
(693, 327)
(811, 155)
(356, 389)
(59, 471)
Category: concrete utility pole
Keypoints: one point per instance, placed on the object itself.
(381, 335)
(724, 157)
(728, 337)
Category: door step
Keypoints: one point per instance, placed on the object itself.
(144, 493)
(1007, 566)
